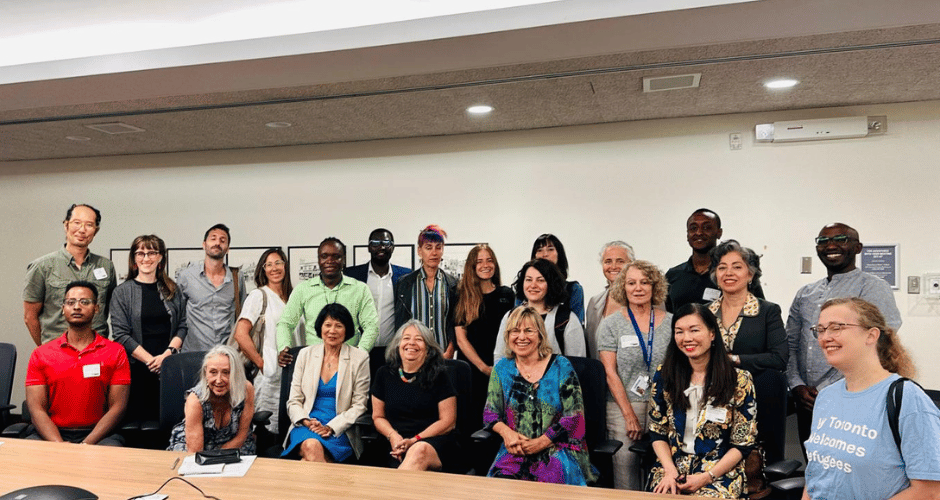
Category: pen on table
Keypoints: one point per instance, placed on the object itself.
(175, 463)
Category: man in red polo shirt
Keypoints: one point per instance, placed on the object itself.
(77, 385)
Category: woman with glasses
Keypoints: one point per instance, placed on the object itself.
(272, 276)
(148, 318)
(853, 452)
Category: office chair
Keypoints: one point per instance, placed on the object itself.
(7, 370)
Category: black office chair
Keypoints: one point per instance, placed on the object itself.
(274, 448)
(7, 370)
(593, 382)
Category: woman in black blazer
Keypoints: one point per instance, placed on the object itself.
(755, 338)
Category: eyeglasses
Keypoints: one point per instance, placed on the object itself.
(277, 263)
(77, 224)
(83, 302)
(838, 240)
(146, 255)
(381, 243)
(834, 329)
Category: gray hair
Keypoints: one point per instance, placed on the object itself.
(392, 357)
(619, 244)
(749, 256)
(236, 381)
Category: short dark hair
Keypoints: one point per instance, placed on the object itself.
(333, 239)
(706, 211)
(339, 313)
(433, 234)
(749, 257)
(550, 239)
(556, 293)
(381, 230)
(68, 213)
(83, 284)
(218, 226)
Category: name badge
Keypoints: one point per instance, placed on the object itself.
(718, 415)
(91, 371)
(711, 294)
(100, 273)
(640, 385)
(629, 341)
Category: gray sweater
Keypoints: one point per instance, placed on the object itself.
(125, 316)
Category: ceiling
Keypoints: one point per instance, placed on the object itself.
(844, 52)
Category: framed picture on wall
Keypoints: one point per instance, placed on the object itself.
(119, 259)
(404, 255)
(455, 256)
(179, 258)
(246, 259)
(303, 263)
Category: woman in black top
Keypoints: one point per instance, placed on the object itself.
(149, 319)
(414, 404)
(482, 304)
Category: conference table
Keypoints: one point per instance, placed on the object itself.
(121, 473)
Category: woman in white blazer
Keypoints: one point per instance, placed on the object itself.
(328, 392)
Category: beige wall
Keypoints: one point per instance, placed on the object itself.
(633, 181)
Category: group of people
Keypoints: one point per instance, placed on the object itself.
(695, 358)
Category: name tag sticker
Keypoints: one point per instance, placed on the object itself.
(629, 341)
(100, 273)
(719, 415)
(711, 294)
(640, 385)
(91, 371)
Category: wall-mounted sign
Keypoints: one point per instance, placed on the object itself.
(882, 261)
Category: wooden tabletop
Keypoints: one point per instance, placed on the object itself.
(120, 473)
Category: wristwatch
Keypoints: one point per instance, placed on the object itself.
(174, 350)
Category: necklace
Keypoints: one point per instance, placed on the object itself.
(526, 373)
(405, 379)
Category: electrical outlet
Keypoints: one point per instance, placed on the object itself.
(735, 141)
(913, 284)
(806, 265)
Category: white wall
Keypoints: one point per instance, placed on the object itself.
(633, 181)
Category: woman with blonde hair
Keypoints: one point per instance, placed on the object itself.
(481, 305)
(853, 452)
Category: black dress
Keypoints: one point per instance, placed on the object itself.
(481, 333)
(144, 402)
(411, 409)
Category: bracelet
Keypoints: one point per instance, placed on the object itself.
(712, 475)
(417, 437)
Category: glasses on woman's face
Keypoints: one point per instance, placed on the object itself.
(146, 255)
(272, 265)
(834, 329)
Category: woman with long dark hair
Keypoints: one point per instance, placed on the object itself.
(148, 318)
(482, 302)
(549, 247)
(702, 410)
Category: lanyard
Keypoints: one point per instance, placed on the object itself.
(648, 348)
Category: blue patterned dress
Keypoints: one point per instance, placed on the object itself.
(324, 410)
(553, 406)
(213, 437)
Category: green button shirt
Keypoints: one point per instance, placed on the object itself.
(310, 296)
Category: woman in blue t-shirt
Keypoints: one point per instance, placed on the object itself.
(851, 451)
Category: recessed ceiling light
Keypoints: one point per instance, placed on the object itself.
(783, 83)
(480, 109)
(278, 124)
(77, 138)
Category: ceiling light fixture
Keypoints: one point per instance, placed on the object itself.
(480, 109)
(77, 138)
(783, 83)
(278, 124)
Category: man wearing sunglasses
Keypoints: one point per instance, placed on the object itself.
(807, 369)
(381, 276)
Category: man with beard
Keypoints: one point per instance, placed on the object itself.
(381, 277)
(77, 385)
(213, 293)
(47, 276)
(690, 281)
(310, 296)
(807, 369)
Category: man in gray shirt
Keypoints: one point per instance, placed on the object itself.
(807, 369)
(213, 293)
(47, 277)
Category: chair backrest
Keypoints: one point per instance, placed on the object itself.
(7, 369)
(179, 373)
(594, 392)
(459, 373)
(287, 375)
(934, 395)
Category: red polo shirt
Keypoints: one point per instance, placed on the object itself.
(78, 382)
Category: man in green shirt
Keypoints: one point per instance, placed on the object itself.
(310, 296)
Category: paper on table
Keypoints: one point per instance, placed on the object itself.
(191, 469)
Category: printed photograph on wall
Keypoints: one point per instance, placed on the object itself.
(119, 258)
(404, 255)
(179, 258)
(303, 263)
(246, 259)
(454, 258)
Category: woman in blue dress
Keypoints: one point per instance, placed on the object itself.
(328, 392)
(534, 403)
